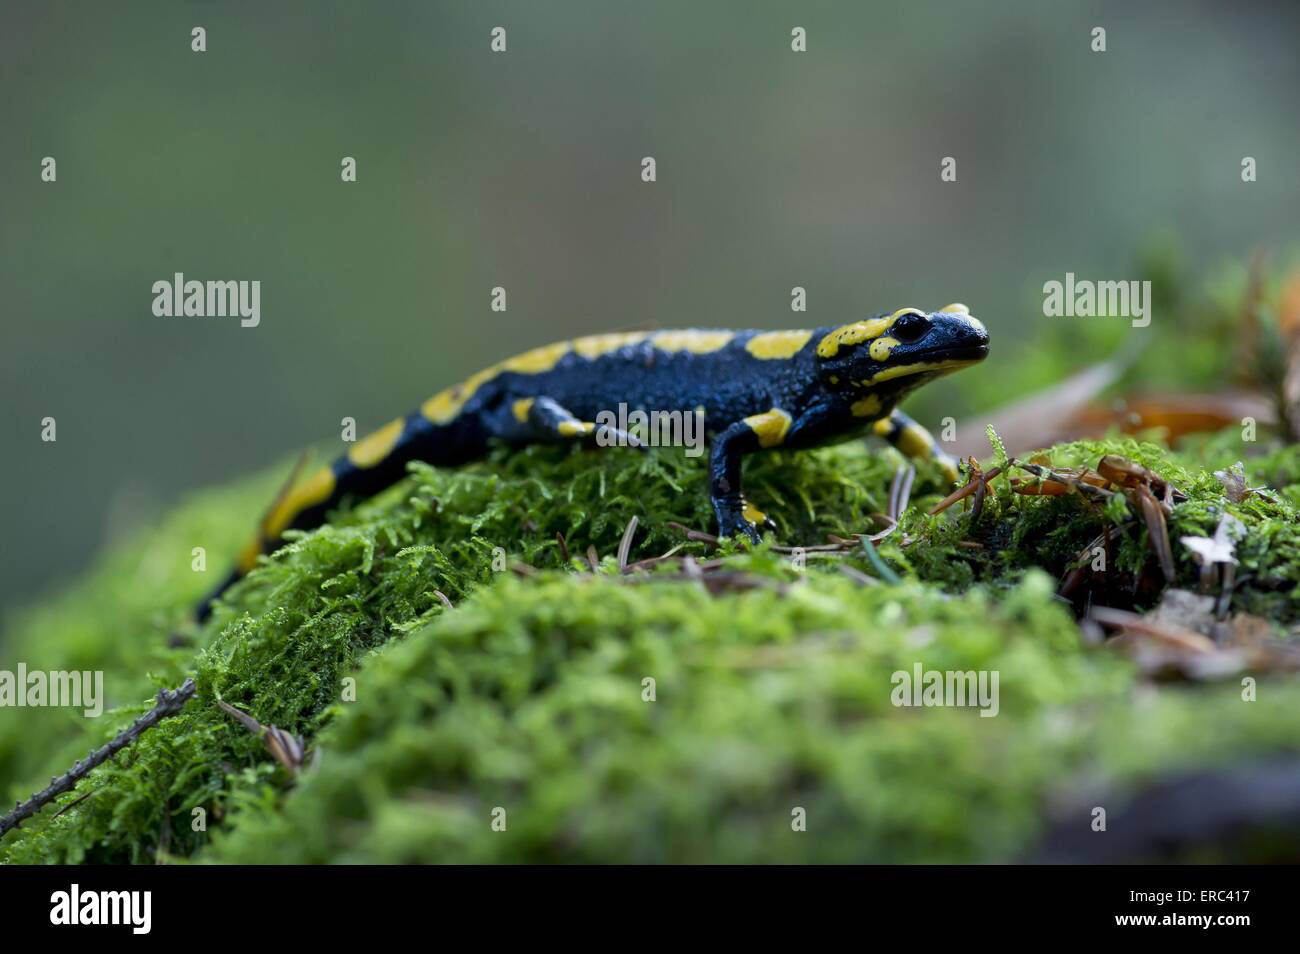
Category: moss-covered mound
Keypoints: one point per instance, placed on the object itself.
(559, 714)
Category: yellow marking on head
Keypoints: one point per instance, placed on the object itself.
(697, 342)
(955, 309)
(770, 426)
(594, 346)
(521, 408)
(934, 367)
(914, 441)
(881, 347)
(446, 404)
(752, 513)
(855, 333)
(575, 428)
(370, 450)
(316, 489)
(772, 345)
(860, 331)
(868, 406)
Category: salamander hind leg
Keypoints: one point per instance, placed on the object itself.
(915, 441)
(546, 418)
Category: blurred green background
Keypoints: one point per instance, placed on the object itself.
(522, 170)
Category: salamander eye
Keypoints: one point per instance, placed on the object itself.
(910, 328)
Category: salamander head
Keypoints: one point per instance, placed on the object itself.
(890, 355)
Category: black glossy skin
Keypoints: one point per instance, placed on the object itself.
(728, 383)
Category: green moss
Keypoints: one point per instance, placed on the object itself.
(528, 694)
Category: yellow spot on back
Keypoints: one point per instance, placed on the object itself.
(594, 346)
(770, 426)
(442, 407)
(248, 558)
(445, 405)
(370, 450)
(697, 342)
(773, 345)
(752, 513)
(537, 360)
(316, 489)
(868, 406)
(521, 408)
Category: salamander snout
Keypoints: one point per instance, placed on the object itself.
(953, 333)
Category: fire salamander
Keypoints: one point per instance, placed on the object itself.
(755, 389)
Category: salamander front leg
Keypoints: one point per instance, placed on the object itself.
(736, 516)
(915, 441)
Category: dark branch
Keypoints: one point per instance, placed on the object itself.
(170, 702)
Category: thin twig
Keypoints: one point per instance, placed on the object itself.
(698, 536)
(170, 702)
(655, 561)
(715, 582)
(1174, 636)
(1157, 531)
(625, 545)
(285, 748)
(74, 803)
(961, 493)
(886, 573)
(1225, 597)
(820, 547)
(242, 717)
(977, 507)
(857, 576)
(1087, 490)
(900, 491)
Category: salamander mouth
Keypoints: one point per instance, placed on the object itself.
(976, 352)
